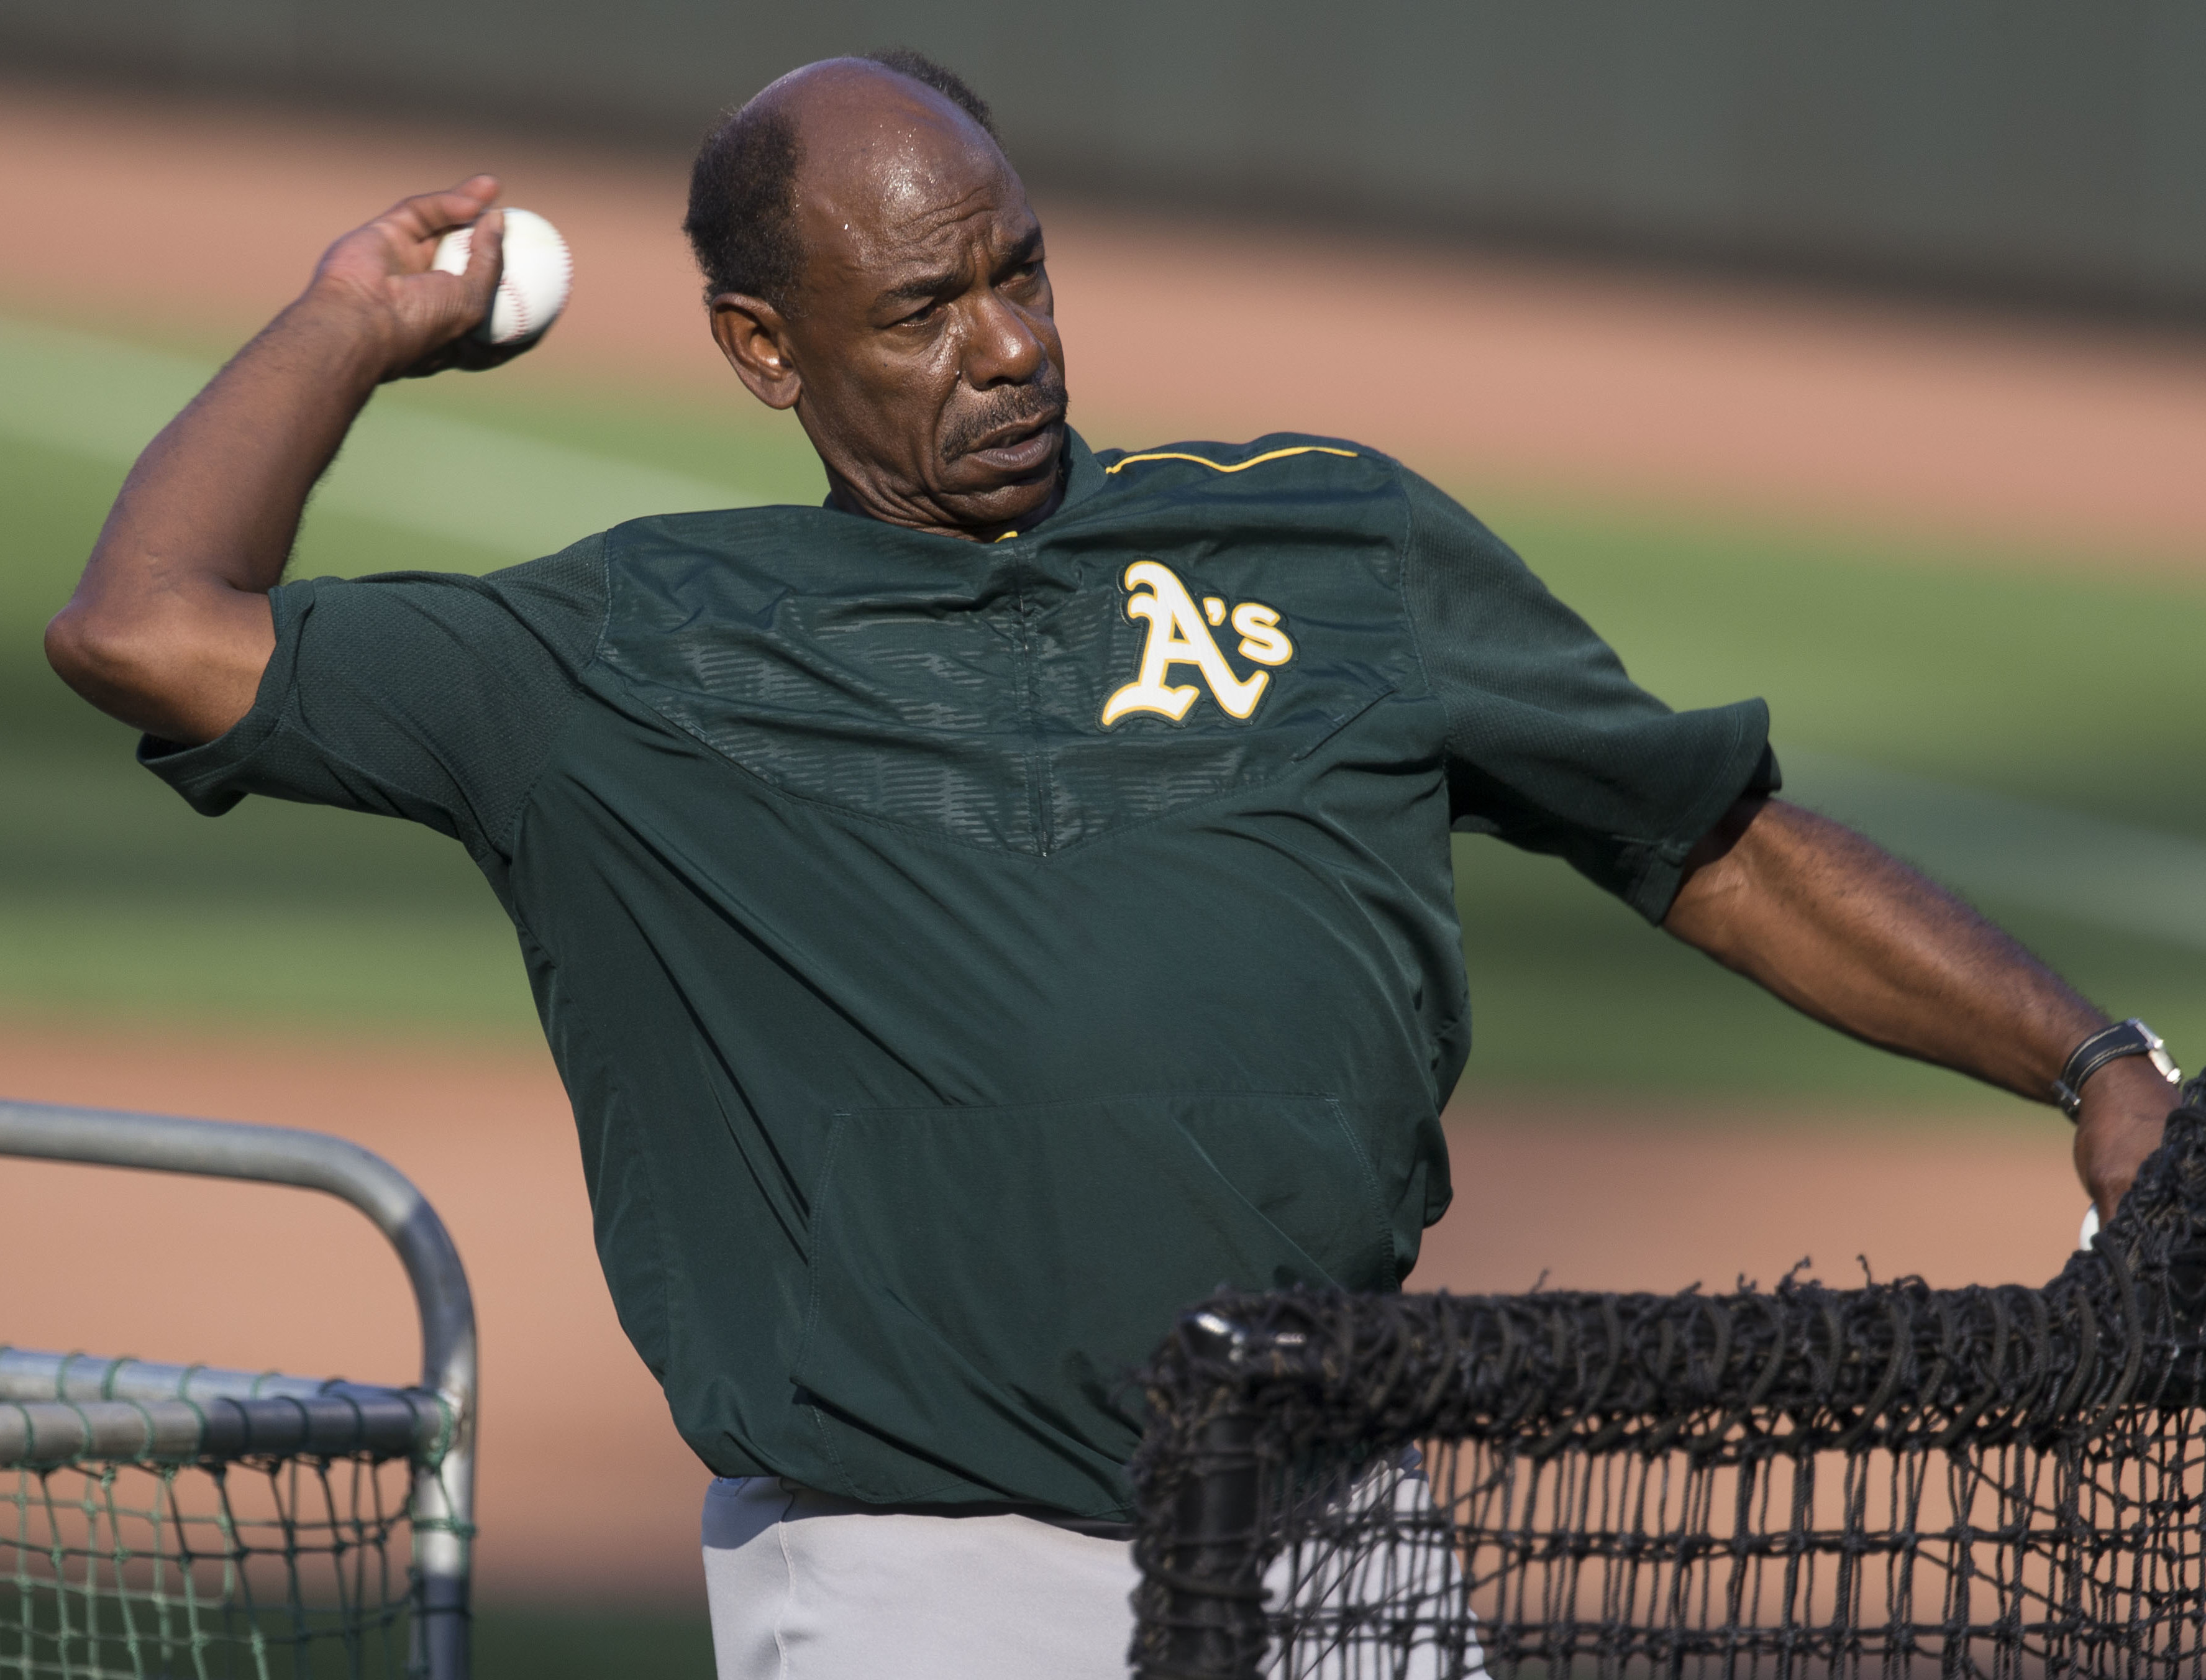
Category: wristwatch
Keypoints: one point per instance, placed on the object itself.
(2124, 1038)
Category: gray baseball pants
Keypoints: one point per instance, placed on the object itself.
(807, 1586)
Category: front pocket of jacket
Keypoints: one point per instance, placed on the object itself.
(984, 1279)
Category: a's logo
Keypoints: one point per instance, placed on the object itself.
(1179, 634)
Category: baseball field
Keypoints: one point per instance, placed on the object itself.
(1963, 558)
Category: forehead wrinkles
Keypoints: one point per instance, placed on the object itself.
(955, 239)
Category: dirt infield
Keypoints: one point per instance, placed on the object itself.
(177, 217)
(586, 1489)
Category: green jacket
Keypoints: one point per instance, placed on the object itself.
(960, 957)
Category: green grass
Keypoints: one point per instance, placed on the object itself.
(2071, 685)
(2077, 686)
(2062, 678)
(511, 1641)
(117, 901)
(1571, 990)
(531, 1642)
(730, 439)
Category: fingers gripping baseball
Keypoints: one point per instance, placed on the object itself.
(381, 273)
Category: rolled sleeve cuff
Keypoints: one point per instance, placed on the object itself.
(1750, 766)
(214, 776)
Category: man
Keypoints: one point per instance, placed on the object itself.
(977, 917)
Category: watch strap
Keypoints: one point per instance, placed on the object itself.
(2110, 1044)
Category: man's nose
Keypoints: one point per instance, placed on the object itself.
(1004, 348)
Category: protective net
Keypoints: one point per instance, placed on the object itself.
(266, 1538)
(1888, 1480)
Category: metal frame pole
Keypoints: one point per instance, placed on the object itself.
(1210, 1622)
(444, 1496)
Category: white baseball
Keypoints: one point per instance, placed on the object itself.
(533, 288)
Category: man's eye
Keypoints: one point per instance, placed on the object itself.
(920, 316)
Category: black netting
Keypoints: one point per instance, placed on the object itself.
(1881, 1482)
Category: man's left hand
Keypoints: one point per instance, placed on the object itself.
(2125, 1106)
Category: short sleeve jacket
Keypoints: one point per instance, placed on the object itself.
(961, 957)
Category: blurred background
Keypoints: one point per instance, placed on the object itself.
(1850, 356)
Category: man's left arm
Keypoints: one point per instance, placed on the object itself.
(1847, 933)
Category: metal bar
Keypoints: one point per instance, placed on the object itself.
(391, 1423)
(28, 1375)
(443, 1490)
(1213, 1625)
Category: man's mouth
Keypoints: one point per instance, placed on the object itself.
(1012, 432)
(1020, 446)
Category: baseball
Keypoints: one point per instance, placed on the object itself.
(531, 289)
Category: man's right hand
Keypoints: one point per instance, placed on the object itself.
(169, 628)
(423, 318)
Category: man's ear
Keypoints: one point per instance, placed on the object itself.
(753, 336)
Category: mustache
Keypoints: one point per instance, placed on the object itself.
(1040, 401)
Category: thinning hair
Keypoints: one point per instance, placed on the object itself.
(741, 223)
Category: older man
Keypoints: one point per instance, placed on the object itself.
(976, 916)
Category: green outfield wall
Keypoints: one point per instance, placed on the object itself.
(2056, 147)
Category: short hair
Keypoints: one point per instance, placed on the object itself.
(906, 62)
(742, 222)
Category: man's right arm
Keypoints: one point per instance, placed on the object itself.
(169, 628)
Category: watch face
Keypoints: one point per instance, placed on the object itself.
(2155, 1050)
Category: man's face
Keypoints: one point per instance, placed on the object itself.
(927, 368)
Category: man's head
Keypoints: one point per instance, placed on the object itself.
(871, 261)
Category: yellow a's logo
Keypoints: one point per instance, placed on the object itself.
(1179, 634)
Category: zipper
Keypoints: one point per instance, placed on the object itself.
(1036, 756)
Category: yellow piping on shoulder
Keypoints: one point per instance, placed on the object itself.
(1235, 466)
